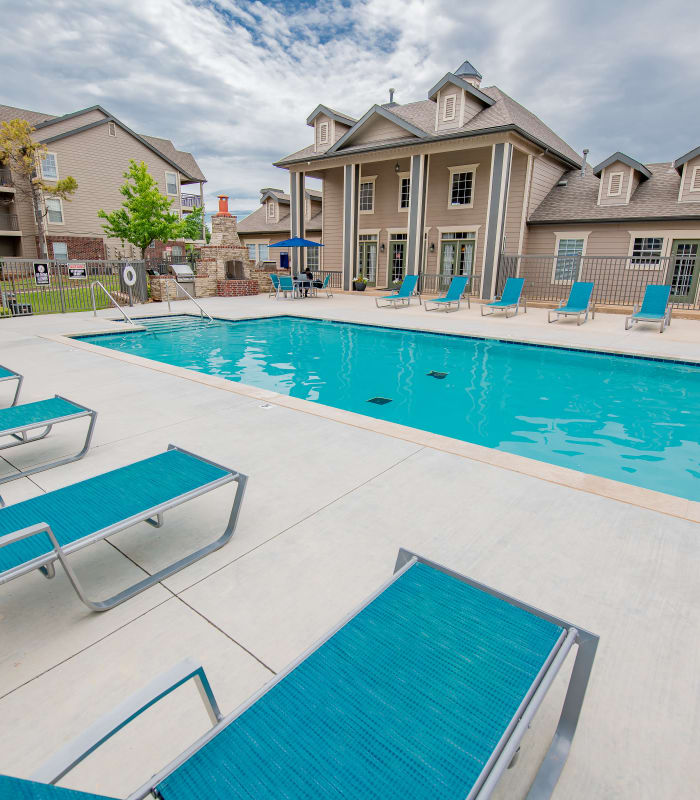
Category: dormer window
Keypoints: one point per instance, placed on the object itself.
(615, 184)
(449, 108)
(323, 133)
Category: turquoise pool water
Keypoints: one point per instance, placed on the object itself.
(630, 419)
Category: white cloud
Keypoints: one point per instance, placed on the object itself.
(234, 81)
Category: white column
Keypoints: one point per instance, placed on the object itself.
(350, 213)
(501, 156)
(416, 214)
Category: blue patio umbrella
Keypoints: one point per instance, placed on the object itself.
(297, 241)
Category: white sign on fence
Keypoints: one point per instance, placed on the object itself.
(77, 272)
(41, 273)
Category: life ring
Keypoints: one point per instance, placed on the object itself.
(129, 275)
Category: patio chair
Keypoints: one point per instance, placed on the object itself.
(7, 374)
(275, 285)
(511, 297)
(36, 533)
(579, 303)
(17, 422)
(285, 285)
(655, 308)
(424, 691)
(403, 296)
(325, 287)
(458, 286)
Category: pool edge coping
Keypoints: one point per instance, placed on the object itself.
(650, 499)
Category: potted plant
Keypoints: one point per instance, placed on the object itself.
(360, 283)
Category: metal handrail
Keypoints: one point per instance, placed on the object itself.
(202, 312)
(104, 289)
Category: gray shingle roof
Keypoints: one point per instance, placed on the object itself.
(32, 117)
(577, 201)
(184, 160)
(257, 223)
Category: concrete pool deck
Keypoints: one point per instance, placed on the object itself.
(315, 538)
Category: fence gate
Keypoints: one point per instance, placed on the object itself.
(45, 286)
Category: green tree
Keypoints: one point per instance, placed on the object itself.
(145, 215)
(193, 224)
(21, 154)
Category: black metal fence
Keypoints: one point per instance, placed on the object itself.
(5, 177)
(9, 222)
(38, 286)
(619, 280)
(431, 283)
(336, 281)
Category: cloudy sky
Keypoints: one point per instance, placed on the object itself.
(233, 82)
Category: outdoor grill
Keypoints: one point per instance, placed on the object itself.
(184, 275)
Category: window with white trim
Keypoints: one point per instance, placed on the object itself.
(367, 196)
(615, 184)
(112, 128)
(568, 261)
(54, 209)
(312, 258)
(60, 251)
(457, 252)
(461, 188)
(171, 183)
(49, 167)
(646, 251)
(449, 108)
(323, 133)
(695, 180)
(263, 252)
(404, 191)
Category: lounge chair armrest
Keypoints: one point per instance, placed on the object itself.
(68, 757)
(25, 533)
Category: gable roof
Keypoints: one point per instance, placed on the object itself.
(654, 199)
(631, 162)
(391, 116)
(34, 118)
(504, 114)
(679, 162)
(257, 222)
(462, 84)
(332, 113)
(283, 197)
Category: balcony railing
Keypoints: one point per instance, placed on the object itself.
(619, 280)
(9, 222)
(190, 200)
(6, 177)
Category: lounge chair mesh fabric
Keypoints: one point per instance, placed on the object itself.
(42, 410)
(408, 700)
(16, 789)
(511, 292)
(579, 297)
(6, 373)
(76, 511)
(455, 290)
(655, 302)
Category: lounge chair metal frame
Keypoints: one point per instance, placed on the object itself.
(282, 290)
(443, 302)
(636, 316)
(153, 516)
(13, 376)
(502, 757)
(492, 309)
(20, 432)
(325, 287)
(590, 306)
(398, 300)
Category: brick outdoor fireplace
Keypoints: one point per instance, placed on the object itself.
(224, 267)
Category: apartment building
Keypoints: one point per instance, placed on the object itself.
(461, 181)
(94, 147)
(271, 223)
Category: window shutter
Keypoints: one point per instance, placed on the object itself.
(449, 111)
(615, 185)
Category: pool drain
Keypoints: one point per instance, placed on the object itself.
(438, 375)
(380, 401)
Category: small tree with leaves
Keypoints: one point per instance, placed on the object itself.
(21, 154)
(145, 215)
(193, 224)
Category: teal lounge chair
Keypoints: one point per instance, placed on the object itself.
(511, 297)
(285, 287)
(36, 533)
(424, 691)
(275, 285)
(655, 308)
(458, 286)
(403, 296)
(7, 374)
(579, 303)
(325, 287)
(18, 422)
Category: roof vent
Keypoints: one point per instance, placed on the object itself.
(563, 182)
(391, 95)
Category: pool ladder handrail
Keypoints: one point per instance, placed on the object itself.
(202, 312)
(105, 290)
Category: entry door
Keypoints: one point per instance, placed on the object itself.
(684, 270)
(284, 260)
(397, 254)
(368, 260)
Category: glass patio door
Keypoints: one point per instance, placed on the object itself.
(367, 258)
(397, 258)
(457, 254)
(684, 270)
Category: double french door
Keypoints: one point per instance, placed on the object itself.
(684, 270)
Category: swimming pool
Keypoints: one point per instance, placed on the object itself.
(631, 419)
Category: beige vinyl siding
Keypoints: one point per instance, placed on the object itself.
(437, 213)
(687, 178)
(339, 130)
(69, 125)
(322, 119)
(545, 174)
(617, 199)
(333, 219)
(386, 208)
(97, 162)
(25, 215)
(516, 198)
(380, 130)
(471, 108)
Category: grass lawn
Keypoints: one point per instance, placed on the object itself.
(47, 300)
